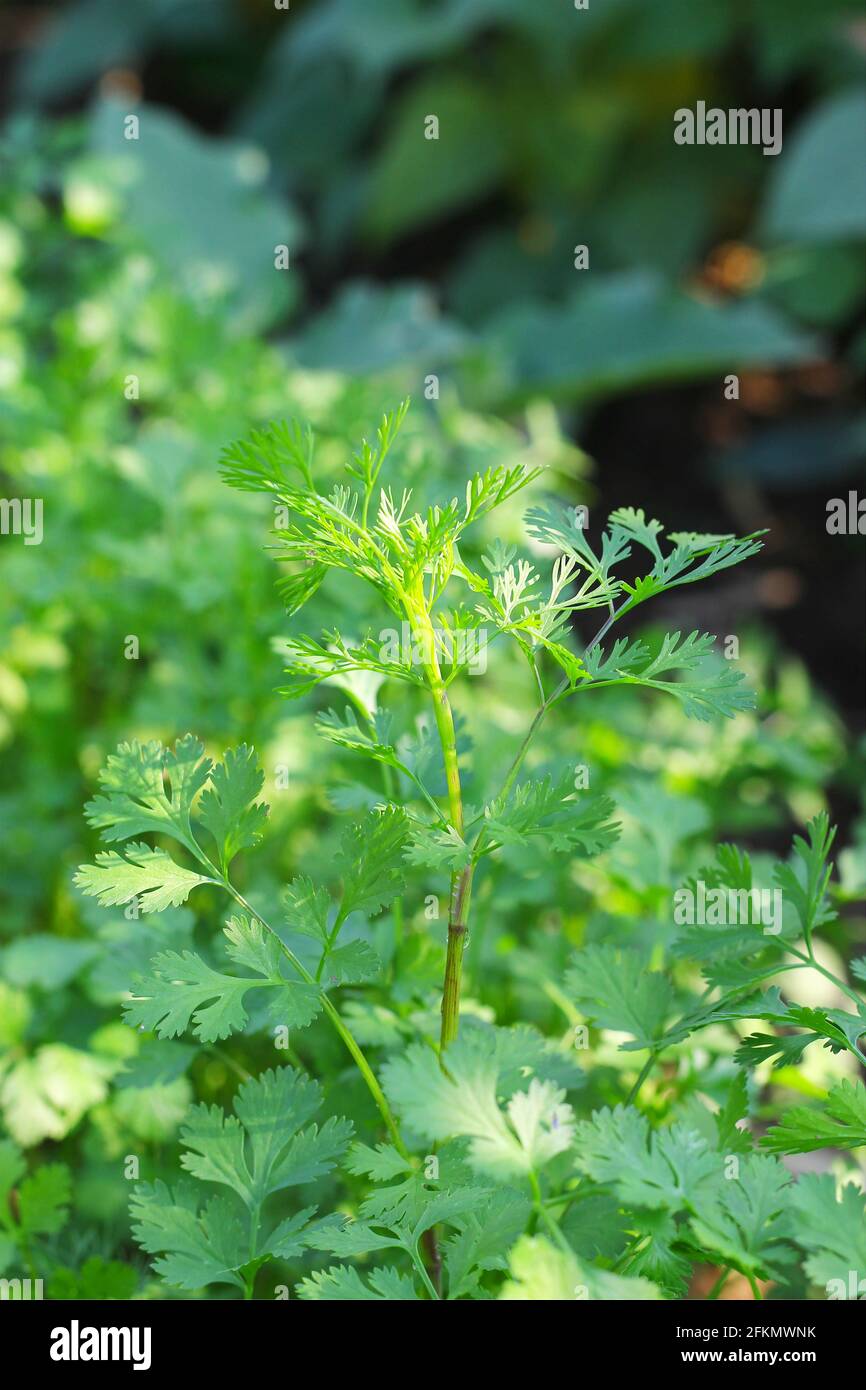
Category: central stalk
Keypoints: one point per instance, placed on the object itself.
(461, 880)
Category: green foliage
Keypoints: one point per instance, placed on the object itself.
(173, 996)
(462, 1100)
(840, 1125)
(513, 1162)
(618, 992)
(334, 955)
(259, 1151)
(31, 1205)
(831, 1228)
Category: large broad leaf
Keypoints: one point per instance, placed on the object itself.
(818, 192)
(417, 179)
(200, 207)
(618, 331)
(370, 328)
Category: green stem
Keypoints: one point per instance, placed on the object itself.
(458, 915)
(719, 1284)
(397, 905)
(240, 1072)
(554, 696)
(345, 1033)
(331, 941)
(425, 1277)
(644, 1073)
(461, 881)
(546, 1217)
(368, 1074)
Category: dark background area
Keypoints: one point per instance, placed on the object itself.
(328, 117)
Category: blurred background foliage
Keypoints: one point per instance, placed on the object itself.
(154, 258)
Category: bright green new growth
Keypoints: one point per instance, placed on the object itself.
(413, 560)
(515, 1170)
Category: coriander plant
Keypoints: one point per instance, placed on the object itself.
(518, 1197)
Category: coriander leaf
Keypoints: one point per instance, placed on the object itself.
(540, 1273)
(437, 849)
(175, 992)
(272, 459)
(805, 882)
(371, 861)
(569, 821)
(661, 1256)
(831, 1229)
(671, 1169)
(179, 989)
(381, 1163)
(595, 1226)
(534, 1127)
(262, 1148)
(351, 964)
(249, 945)
(616, 990)
(837, 1029)
(341, 1283)
(841, 1124)
(228, 806)
(297, 589)
(482, 1240)
(745, 1223)
(709, 687)
(633, 523)
(150, 788)
(730, 1137)
(140, 872)
(347, 732)
(353, 1238)
(196, 1245)
(307, 907)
